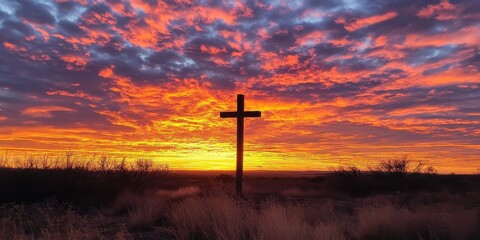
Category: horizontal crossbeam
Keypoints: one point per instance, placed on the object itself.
(228, 114)
(252, 114)
(236, 115)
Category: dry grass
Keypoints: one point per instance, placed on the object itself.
(147, 212)
(217, 216)
(278, 221)
(385, 221)
(224, 217)
(188, 213)
(417, 204)
(150, 208)
(49, 221)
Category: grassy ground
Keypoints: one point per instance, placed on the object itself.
(396, 200)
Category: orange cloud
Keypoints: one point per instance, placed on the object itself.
(94, 36)
(212, 49)
(45, 111)
(220, 61)
(273, 61)
(210, 14)
(421, 110)
(160, 17)
(26, 54)
(442, 11)
(79, 94)
(96, 18)
(75, 62)
(312, 38)
(468, 35)
(143, 36)
(364, 22)
(14, 48)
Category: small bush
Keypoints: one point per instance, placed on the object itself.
(402, 166)
(399, 174)
(346, 171)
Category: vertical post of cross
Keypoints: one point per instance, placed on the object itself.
(240, 121)
(240, 115)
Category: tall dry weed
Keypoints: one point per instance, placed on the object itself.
(277, 221)
(145, 213)
(147, 209)
(213, 217)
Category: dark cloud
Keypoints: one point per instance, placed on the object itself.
(35, 12)
(70, 28)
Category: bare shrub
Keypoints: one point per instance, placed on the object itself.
(121, 165)
(346, 171)
(48, 162)
(69, 160)
(143, 165)
(3, 162)
(104, 164)
(57, 163)
(88, 165)
(397, 165)
(45, 162)
(28, 162)
(401, 166)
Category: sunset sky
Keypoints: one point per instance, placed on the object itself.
(338, 81)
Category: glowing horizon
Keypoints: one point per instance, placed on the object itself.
(338, 82)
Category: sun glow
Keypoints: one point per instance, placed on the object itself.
(147, 79)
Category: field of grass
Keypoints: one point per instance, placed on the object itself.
(106, 199)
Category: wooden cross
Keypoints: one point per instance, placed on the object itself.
(239, 115)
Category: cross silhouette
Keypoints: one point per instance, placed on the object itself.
(240, 114)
